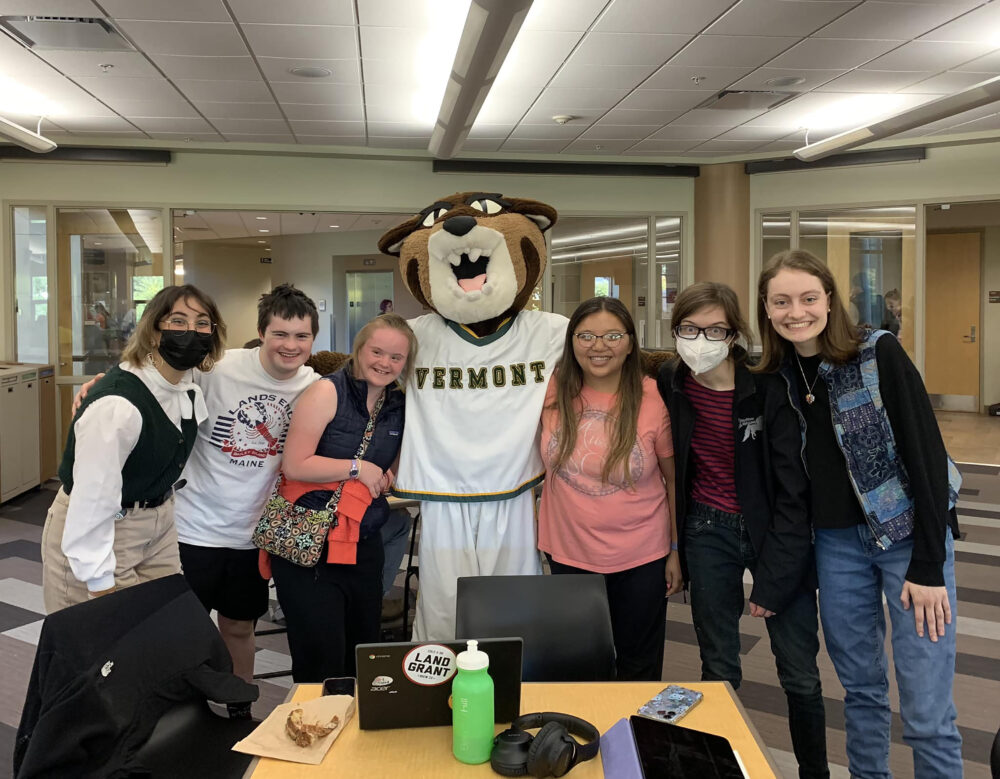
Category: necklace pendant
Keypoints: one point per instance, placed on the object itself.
(810, 398)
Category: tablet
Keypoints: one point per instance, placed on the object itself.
(667, 750)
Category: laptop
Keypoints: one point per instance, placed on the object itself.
(408, 685)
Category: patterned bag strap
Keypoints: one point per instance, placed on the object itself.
(362, 448)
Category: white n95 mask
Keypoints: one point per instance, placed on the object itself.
(702, 355)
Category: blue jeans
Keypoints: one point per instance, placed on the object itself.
(718, 550)
(395, 535)
(853, 575)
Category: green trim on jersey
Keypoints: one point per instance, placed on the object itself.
(466, 334)
(480, 497)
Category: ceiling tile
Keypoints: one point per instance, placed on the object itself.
(635, 116)
(316, 11)
(94, 123)
(326, 140)
(168, 107)
(688, 133)
(792, 113)
(416, 15)
(603, 131)
(259, 138)
(224, 91)
(344, 71)
(87, 63)
(787, 145)
(762, 134)
(874, 81)
(679, 16)
(175, 10)
(387, 72)
(212, 39)
(309, 111)
(550, 131)
(665, 99)
(596, 147)
(69, 98)
(208, 68)
(186, 125)
(987, 64)
(978, 26)
(119, 133)
(533, 145)
(184, 137)
(890, 21)
(574, 100)
(482, 144)
(49, 8)
(947, 83)
(600, 77)
(627, 49)
(929, 55)
(759, 78)
(728, 146)
(397, 143)
(327, 129)
(991, 122)
(691, 77)
(394, 130)
(17, 62)
(259, 126)
(108, 89)
(302, 40)
(663, 146)
(575, 15)
(322, 93)
(388, 111)
(832, 53)
(779, 17)
(732, 51)
(710, 117)
(217, 110)
(484, 131)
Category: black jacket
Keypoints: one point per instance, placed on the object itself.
(105, 671)
(770, 476)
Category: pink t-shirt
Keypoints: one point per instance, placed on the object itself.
(610, 527)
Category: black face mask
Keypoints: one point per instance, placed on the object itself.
(184, 349)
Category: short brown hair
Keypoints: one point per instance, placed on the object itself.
(706, 294)
(394, 321)
(839, 340)
(142, 342)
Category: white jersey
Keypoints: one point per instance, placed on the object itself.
(473, 407)
(235, 460)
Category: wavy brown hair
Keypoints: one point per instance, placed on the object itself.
(707, 294)
(839, 340)
(142, 342)
(569, 383)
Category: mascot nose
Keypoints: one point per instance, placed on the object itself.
(459, 225)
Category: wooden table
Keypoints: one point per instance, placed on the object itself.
(426, 752)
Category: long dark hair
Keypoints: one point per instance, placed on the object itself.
(839, 340)
(706, 294)
(569, 383)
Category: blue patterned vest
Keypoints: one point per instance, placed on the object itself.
(861, 425)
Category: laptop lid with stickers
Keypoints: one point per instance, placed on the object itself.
(408, 685)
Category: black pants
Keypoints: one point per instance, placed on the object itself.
(638, 601)
(330, 609)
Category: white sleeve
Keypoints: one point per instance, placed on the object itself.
(106, 434)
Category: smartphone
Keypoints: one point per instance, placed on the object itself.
(340, 685)
(671, 703)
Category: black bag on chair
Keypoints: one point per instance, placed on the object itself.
(106, 670)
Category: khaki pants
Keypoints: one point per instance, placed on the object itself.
(145, 548)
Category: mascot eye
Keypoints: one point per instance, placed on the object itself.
(432, 216)
(489, 206)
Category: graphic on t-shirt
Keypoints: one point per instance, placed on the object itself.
(582, 471)
(254, 430)
(750, 427)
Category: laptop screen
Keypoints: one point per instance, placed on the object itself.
(408, 685)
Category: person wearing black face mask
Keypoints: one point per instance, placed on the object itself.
(111, 524)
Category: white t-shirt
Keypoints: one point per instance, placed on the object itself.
(235, 461)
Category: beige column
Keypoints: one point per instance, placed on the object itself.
(722, 228)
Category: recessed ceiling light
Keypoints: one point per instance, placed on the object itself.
(307, 72)
(334, 225)
(263, 231)
(98, 243)
(785, 81)
(260, 217)
(261, 241)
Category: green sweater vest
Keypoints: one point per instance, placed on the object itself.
(159, 455)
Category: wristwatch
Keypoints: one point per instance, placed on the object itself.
(354, 469)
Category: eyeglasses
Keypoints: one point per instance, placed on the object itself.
(690, 332)
(182, 323)
(589, 339)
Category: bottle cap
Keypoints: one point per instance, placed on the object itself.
(472, 659)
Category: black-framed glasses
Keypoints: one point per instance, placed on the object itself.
(183, 323)
(714, 333)
(589, 339)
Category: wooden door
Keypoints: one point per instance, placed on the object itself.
(951, 366)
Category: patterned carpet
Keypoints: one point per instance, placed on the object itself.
(977, 683)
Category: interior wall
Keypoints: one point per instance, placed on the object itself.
(234, 277)
(991, 316)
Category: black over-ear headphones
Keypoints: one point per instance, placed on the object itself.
(552, 752)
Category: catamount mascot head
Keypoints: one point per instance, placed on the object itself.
(474, 257)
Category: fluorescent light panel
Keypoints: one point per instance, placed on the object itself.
(24, 137)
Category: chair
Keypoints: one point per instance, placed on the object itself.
(564, 620)
(995, 756)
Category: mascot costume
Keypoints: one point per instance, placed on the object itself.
(474, 396)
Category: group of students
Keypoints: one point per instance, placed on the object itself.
(820, 464)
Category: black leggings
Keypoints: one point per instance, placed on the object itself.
(638, 601)
(330, 609)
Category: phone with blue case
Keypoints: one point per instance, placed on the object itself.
(671, 703)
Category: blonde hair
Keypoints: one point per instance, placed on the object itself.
(143, 341)
(394, 322)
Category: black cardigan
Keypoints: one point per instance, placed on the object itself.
(770, 476)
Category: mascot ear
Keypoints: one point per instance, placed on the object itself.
(541, 214)
(392, 241)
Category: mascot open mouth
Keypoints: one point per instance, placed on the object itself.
(475, 268)
(470, 269)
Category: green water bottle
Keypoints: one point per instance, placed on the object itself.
(472, 707)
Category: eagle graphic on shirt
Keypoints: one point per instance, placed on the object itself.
(254, 430)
